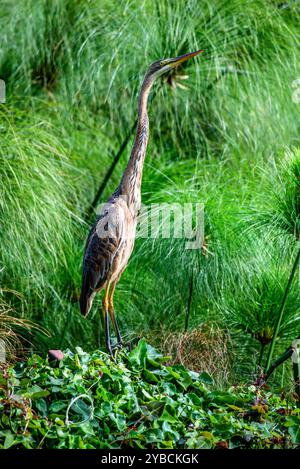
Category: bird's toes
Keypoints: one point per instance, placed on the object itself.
(118, 345)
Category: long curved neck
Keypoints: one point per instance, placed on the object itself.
(132, 178)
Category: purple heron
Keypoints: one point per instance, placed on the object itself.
(111, 239)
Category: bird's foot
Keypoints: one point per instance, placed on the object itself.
(118, 345)
(122, 345)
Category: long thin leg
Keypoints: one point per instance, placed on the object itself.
(112, 313)
(106, 320)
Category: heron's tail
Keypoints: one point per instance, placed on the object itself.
(86, 297)
(85, 303)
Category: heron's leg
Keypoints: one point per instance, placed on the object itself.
(112, 312)
(106, 320)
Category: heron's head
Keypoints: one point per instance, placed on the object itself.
(164, 65)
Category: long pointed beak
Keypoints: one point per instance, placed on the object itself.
(182, 58)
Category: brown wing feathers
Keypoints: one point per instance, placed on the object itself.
(97, 262)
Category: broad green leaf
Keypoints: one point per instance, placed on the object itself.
(205, 378)
(293, 424)
(9, 440)
(150, 376)
(39, 394)
(138, 355)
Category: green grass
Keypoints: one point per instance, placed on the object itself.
(229, 141)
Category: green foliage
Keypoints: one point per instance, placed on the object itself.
(278, 207)
(32, 241)
(137, 401)
(255, 300)
(12, 330)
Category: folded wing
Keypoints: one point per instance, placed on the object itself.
(102, 247)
